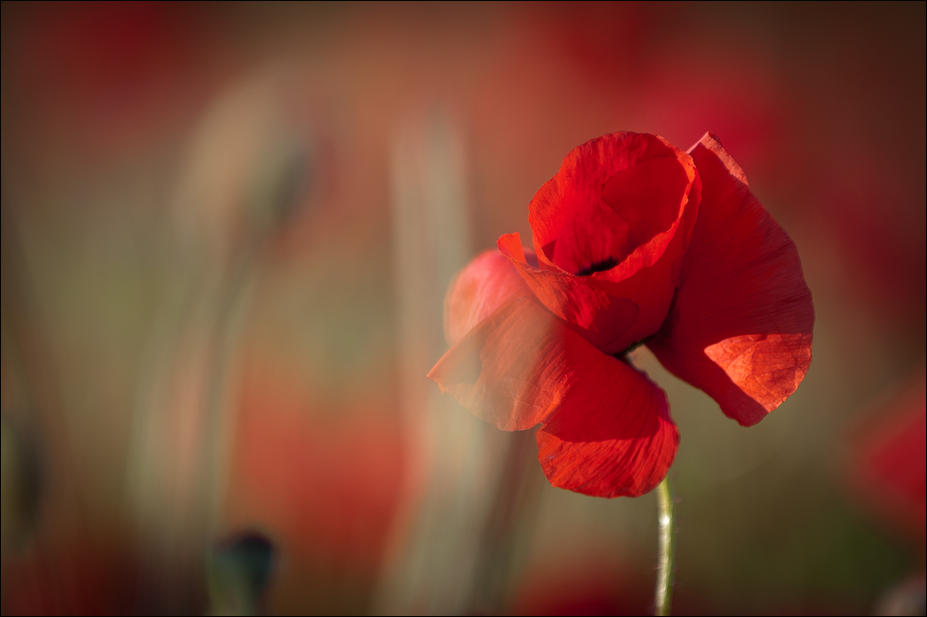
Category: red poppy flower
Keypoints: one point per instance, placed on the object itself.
(635, 242)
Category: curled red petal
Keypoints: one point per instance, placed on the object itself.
(487, 283)
(609, 434)
(609, 230)
(603, 318)
(616, 199)
(741, 323)
(613, 436)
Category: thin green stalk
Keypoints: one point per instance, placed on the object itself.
(667, 548)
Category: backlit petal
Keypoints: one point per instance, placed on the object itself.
(741, 323)
(509, 369)
(487, 283)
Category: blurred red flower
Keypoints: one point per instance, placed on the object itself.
(635, 241)
(886, 454)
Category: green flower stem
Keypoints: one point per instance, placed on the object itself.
(666, 520)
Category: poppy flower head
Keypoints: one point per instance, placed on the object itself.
(611, 198)
(609, 232)
(635, 240)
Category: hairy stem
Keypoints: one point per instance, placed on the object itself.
(667, 548)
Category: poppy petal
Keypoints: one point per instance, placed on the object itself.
(477, 291)
(612, 202)
(613, 435)
(580, 301)
(509, 369)
(741, 323)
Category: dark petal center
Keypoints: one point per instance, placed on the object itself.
(599, 266)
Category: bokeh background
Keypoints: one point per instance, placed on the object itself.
(227, 232)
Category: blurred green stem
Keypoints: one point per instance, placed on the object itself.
(667, 548)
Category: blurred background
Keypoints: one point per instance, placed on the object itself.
(227, 231)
